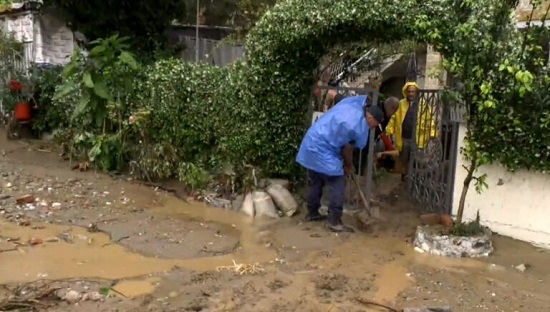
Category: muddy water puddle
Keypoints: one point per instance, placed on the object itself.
(63, 252)
(66, 252)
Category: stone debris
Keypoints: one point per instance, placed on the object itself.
(429, 240)
(522, 267)
(446, 309)
(27, 199)
(72, 296)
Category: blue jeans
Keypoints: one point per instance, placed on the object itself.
(337, 191)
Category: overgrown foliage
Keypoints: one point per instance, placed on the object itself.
(192, 121)
(94, 88)
(504, 82)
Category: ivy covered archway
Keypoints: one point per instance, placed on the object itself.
(285, 47)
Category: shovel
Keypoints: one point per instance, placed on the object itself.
(371, 214)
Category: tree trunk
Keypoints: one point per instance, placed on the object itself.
(466, 186)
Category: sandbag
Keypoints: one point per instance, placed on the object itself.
(283, 199)
(248, 205)
(264, 206)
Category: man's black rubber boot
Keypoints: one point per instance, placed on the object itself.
(315, 217)
(339, 228)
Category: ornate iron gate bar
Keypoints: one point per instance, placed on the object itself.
(353, 201)
(432, 165)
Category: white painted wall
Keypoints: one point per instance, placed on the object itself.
(518, 208)
(50, 40)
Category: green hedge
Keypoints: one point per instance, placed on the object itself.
(193, 120)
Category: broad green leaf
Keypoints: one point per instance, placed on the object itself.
(87, 78)
(65, 90)
(69, 70)
(81, 106)
(97, 51)
(128, 59)
(101, 90)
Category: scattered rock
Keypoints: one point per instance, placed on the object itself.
(56, 205)
(522, 267)
(35, 241)
(172, 294)
(95, 296)
(27, 199)
(430, 239)
(72, 296)
(92, 228)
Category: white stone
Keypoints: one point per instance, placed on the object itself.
(453, 246)
(72, 296)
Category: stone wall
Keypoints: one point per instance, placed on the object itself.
(48, 39)
(54, 41)
(20, 25)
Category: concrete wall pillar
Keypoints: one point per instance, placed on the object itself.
(433, 71)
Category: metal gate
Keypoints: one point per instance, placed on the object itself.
(363, 159)
(432, 164)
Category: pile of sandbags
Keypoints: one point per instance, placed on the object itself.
(276, 201)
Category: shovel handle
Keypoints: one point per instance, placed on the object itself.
(363, 198)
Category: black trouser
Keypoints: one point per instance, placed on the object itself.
(337, 192)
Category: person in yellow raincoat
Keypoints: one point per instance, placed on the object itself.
(401, 125)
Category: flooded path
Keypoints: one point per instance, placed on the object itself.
(63, 252)
(163, 252)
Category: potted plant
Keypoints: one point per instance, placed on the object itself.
(15, 85)
(22, 111)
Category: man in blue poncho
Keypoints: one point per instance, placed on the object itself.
(328, 142)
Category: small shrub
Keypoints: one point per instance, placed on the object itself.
(472, 228)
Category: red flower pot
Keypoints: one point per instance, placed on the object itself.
(15, 85)
(22, 111)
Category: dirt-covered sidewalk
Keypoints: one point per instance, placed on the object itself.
(105, 243)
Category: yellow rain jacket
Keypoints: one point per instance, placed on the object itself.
(425, 121)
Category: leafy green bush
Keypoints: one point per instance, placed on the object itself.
(49, 116)
(189, 121)
(183, 110)
(95, 93)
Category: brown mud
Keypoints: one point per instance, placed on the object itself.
(158, 253)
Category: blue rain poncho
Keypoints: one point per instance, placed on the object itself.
(345, 123)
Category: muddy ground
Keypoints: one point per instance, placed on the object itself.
(110, 244)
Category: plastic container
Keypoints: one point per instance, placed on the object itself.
(264, 206)
(283, 199)
(22, 111)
